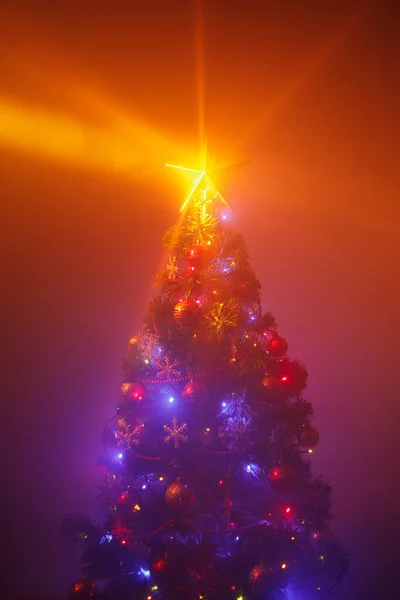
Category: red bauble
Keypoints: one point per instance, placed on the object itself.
(179, 496)
(281, 478)
(199, 256)
(192, 390)
(136, 391)
(308, 437)
(277, 346)
(82, 590)
(186, 313)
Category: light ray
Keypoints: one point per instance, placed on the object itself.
(184, 168)
(196, 184)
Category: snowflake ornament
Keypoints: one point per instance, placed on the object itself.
(176, 434)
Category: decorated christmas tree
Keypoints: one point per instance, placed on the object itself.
(208, 491)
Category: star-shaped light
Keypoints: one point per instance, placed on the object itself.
(203, 181)
(176, 434)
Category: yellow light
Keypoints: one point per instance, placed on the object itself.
(239, 598)
(292, 538)
(136, 507)
(161, 479)
(154, 588)
(110, 142)
(184, 168)
(146, 360)
(202, 174)
(310, 451)
(283, 566)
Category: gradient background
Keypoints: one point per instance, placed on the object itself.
(93, 101)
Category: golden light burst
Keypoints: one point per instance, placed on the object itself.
(201, 179)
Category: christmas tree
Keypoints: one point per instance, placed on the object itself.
(208, 491)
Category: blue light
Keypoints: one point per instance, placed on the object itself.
(171, 400)
(120, 455)
(253, 469)
(237, 538)
(224, 405)
(106, 538)
(144, 486)
(145, 572)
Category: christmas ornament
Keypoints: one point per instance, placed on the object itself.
(260, 576)
(128, 434)
(167, 368)
(171, 269)
(199, 256)
(186, 313)
(149, 348)
(125, 389)
(222, 316)
(176, 434)
(135, 391)
(133, 341)
(179, 496)
(308, 437)
(277, 346)
(281, 478)
(192, 390)
(82, 589)
(199, 224)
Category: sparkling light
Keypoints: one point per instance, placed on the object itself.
(253, 469)
(145, 572)
(200, 176)
(106, 538)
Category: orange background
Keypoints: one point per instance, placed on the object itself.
(299, 102)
